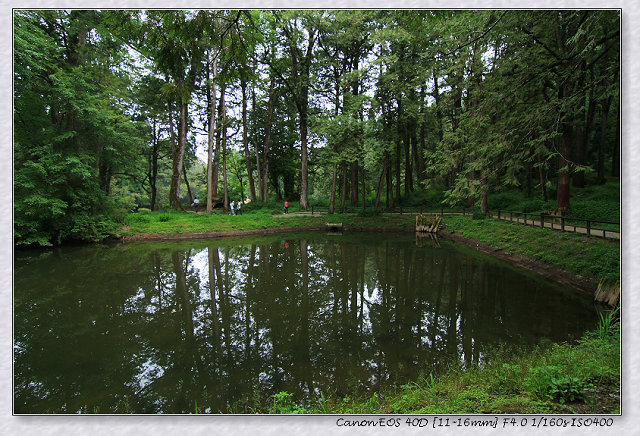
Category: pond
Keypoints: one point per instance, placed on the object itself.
(223, 324)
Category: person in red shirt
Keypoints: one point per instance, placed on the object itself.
(286, 207)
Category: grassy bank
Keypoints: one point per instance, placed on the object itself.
(589, 257)
(181, 222)
(578, 378)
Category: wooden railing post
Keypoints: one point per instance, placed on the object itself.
(588, 227)
(542, 220)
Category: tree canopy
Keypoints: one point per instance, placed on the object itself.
(117, 110)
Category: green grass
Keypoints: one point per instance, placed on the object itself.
(183, 222)
(590, 257)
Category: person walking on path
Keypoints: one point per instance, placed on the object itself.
(239, 207)
(232, 207)
(195, 204)
(286, 207)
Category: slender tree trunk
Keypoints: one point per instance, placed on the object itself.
(153, 176)
(603, 138)
(564, 171)
(333, 188)
(267, 142)
(543, 180)
(389, 200)
(382, 177)
(218, 147)
(615, 161)
(436, 96)
(304, 171)
(363, 192)
(578, 176)
(422, 141)
(344, 187)
(212, 128)
(354, 183)
(255, 144)
(186, 182)
(223, 128)
(397, 162)
(245, 139)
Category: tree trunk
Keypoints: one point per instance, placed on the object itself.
(186, 182)
(615, 161)
(212, 128)
(397, 162)
(364, 199)
(382, 178)
(564, 171)
(407, 163)
(436, 96)
(333, 189)
(603, 138)
(304, 172)
(344, 187)
(484, 193)
(354, 183)
(267, 141)
(579, 154)
(223, 128)
(153, 174)
(245, 139)
(389, 200)
(256, 146)
(177, 158)
(543, 180)
(218, 146)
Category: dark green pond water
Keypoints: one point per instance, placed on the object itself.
(225, 324)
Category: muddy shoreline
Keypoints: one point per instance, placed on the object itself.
(582, 284)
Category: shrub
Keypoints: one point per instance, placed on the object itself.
(478, 215)
(567, 389)
(539, 380)
(283, 403)
(369, 213)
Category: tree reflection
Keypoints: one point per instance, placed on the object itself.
(159, 328)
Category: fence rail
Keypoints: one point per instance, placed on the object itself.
(564, 223)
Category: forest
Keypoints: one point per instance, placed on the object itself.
(122, 110)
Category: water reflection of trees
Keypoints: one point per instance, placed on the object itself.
(227, 326)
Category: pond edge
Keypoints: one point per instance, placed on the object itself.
(582, 284)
